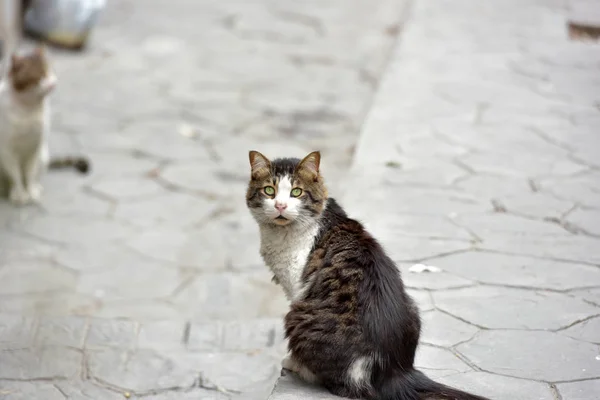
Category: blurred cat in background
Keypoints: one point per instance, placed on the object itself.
(25, 126)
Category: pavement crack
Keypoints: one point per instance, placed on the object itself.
(572, 324)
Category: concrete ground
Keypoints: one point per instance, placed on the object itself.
(478, 156)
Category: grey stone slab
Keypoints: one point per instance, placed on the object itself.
(205, 336)
(252, 335)
(112, 333)
(49, 362)
(499, 387)
(525, 355)
(90, 258)
(26, 277)
(67, 230)
(590, 295)
(440, 329)
(228, 296)
(172, 209)
(140, 372)
(193, 394)
(162, 334)
(141, 309)
(579, 390)
(127, 189)
(508, 308)
(147, 281)
(437, 362)
(586, 330)
(588, 220)
(582, 189)
(61, 331)
(291, 387)
(86, 390)
(423, 299)
(432, 280)
(10, 390)
(16, 331)
(145, 371)
(174, 246)
(535, 204)
(509, 270)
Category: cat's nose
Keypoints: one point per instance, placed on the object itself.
(280, 206)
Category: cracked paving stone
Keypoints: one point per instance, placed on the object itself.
(79, 390)
(207, 179)
(16, 332)
(21, 278)
(422, 298)
(145, 371)
(70, 200)
(199, 248)
(196, 394)
(588, 220)
(166, 210)
(591, 295)
(588, 331)
(502, 269)
(440, 329)
(252, 335)
(127, 189)
(142, 309)
(290, 387)
(111, 333)
(40, 363)
(508, 308)
(582, 189)
(412, 249)
(537, 205)
(91, 259)
(499, 387)
(148, 281)
(526, 355)
(229, 296)
(486, 187)
(16, 247)
(437, 362)
(205, 336)
(52, 304)
(583, 390)
(162, 335)
(433, 280)
(69, 230)
(61, 331)
(119, 164)
(11, 390)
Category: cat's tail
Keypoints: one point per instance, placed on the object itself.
(81, 164)
(415, 385)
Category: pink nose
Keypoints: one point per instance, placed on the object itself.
(280, 207)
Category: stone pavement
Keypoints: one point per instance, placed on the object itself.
(480, 157)
(144, 278)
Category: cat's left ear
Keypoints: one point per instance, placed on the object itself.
(310, 164)
(259, 164)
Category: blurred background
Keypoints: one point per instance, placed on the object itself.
(463, 133)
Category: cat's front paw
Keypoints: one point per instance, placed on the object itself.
(18, 196)
(35, 192)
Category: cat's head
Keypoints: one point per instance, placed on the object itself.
(30, 74)
(285, 191)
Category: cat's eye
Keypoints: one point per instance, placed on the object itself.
(296, 192)
(269, 190)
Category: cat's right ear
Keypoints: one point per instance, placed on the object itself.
(259, 164)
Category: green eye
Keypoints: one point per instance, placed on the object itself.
(269, 190)
(296, 192)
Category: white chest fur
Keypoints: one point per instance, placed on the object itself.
(285, 251)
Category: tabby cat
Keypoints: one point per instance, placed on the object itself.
(25, 125)
(351, 326)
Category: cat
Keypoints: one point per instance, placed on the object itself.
(25, 126)
(351, 326)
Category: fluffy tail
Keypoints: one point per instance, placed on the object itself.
(415, 385)
(81, 164)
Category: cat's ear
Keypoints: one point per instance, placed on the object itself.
(310, 164)
(259, 164)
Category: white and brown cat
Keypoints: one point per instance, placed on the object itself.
(25, 126)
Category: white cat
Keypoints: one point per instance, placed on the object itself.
(25, 125)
